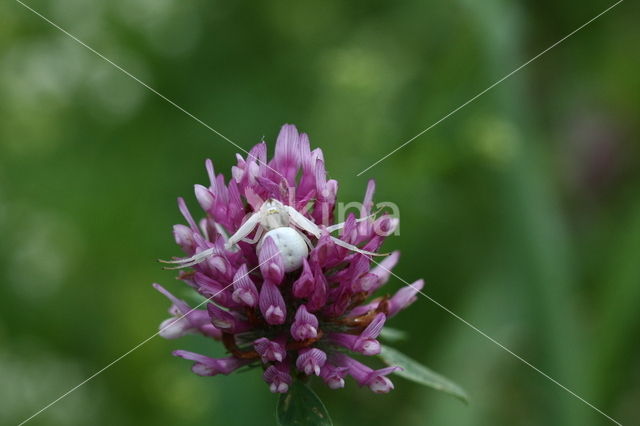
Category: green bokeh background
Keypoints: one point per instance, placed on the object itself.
(521, 211)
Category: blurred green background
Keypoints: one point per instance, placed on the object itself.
(521, 211)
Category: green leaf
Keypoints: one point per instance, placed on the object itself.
(196, 298)
(393, 334)
(418, 373)
(301, 406)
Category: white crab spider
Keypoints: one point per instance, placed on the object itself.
(283, 224)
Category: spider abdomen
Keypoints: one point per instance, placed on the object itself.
(291, 246)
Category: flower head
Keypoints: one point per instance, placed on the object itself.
(283, 290)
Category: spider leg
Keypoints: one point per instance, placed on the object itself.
(222, 232)
(203, 229)
(186, 265)
(244, 230)
(306, 240)
(338, 226)
(256, 237)
(193, 260)
(302, 222)
(351, 247)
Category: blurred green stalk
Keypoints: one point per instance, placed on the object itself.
(618, 323)
(535, 228)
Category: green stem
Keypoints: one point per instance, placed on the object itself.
(535, 226)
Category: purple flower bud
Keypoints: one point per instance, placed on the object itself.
(174, 327)
(404, 297)
(184, 238)
(343, 339)
(333, 376)
(386, 225)
(342, 298)
(366, 342)
(271, 263)
(365, 376)
(326, 190)
(363, 309)
(253, 199)
(350, 229)
(319, 297)
(187, 215)
(245, 292)
(310, 361)
(185, 320)
(270, 350)
(379, 275)
(287, 155)
(365, 283)
(210, 288)
(380, 384)
(272, 304)
(220, 318)
(253, 171)
(179, 305)
(326, 252)
(326, 196)
(305, 325)
(278, 377)
(220, 266)
(304, 286)
(208, 164)
(357, 269)
(205, 366)
(238, 172)
(225, 321)
(204, 197)
(210, 330)
(368, 347)
(367, 203)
